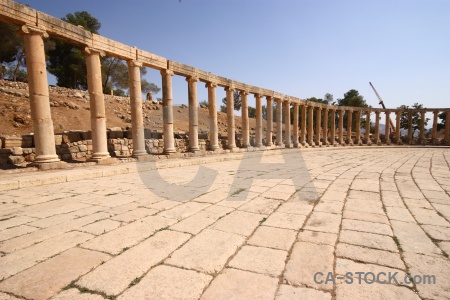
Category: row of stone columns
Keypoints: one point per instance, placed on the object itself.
(43, 125)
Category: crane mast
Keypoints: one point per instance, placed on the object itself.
(392, 128)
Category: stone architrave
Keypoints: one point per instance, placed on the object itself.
(97, 104)
(44, 139)
(193, 113)
(213, 127)
(230, 118)
(169, 141)
(137, 120)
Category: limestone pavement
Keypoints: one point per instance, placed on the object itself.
(369, 210)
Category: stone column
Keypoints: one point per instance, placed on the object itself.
(269, 115)
(295, 126)
(193, 113)
(341, 127)
(44, 137)
(377, 128)
(311, 125)
(398, 115)
(410, 126)
(213, 127)
(169, 141)
(422, 128)
(287, 124)
(349, 127)
(434, 131)
(230, 118)
(258, 132)
(388, 125)
(318, 124)
(245, 125)
(447, 128)
(303, 127)
(358, 127)
(97, 104)
(368, 141)
(279, 116)
(137, 120)
(325, 127)
(332, 127)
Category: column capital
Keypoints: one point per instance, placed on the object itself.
(269, 98)
(91, 51)
(244, 93)
(29, 29)
(191, 79)
(134, 63)
(258, 96)
(211, 85)
(278, 100)
(296, 104)
(229, 88)
(167, 72)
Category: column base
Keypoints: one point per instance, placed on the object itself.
(169, 151)
(288, 145)
(399, 143)
(46, 159)
(194, 149)
(296, 145)
(214, 148)
(388, 142)
(44, 166)
(145, 158)
(138, 153)
(104, 161)
(369, 143)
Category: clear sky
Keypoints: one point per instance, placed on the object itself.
(300, 48)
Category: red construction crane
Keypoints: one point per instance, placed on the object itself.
(392, 128)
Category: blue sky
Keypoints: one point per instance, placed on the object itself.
(300, 48)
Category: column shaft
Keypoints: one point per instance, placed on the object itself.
(434, 131)
(97, 104)
(310, 125)
(245, 124)
(279, 115)
(332, 127)
(230, 118)
(422, 128)
(44, 136)
(193, 113)
(325, 127)
(447, 128)
(258, 133)
(349, 127)
(398, 115)
(368, 141)
(137, 120)
(386, 131)
(341, 127)
(303, 127)
(169, 141)
(295, 126)
(318, 124)
(213, 127)
(410, 128)
(358, 127)
(269, 115)
(287, 124)
(377, 128)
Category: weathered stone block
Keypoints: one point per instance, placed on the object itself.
(12, 141)
(73, 149)
(13, 159)
(82, 148)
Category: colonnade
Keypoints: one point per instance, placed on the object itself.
(313, 124)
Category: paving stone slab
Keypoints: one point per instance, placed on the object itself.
(73, 293)
(370, 227)
(364, 216)
(325, 222)
(306, 260)
(374, 291)
(260, 205)
(196, 223)
(367, 255)
(370, 240)
(272, 237)
(237, 284)
(317, 237)
(133, 215)
(287, 292)
(240, 222)
(115, 275)
(49, 277)
(259, 260)
(207, 252)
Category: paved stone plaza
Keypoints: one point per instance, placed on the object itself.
(254, 228)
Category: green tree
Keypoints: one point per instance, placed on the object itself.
(12, 53)
(352, 98)
(415, 118)
(204, 102)
(251, 112)
(66, 61)
(237, 102)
